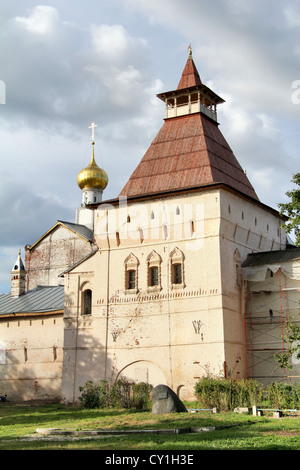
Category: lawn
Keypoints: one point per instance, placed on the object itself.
(18, 424)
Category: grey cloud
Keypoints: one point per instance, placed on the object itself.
(65, 67)
(27, 215)
(64, 74)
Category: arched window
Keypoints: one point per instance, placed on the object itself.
(154, 271)
(177, 269)
(165, 231)
(131, 264)
(237, 267)
(87, 302)
(141, 235)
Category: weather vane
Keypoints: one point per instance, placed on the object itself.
(93, 126)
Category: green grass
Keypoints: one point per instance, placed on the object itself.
(247, 432)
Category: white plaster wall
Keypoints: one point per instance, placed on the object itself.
(171, 334)
(31, 357)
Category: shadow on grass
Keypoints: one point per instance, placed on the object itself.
(247, 432)
(32, 415)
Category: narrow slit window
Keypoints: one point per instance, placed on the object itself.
(87, 302)
(131, 264)
(154, 276)
(177, 273)
(177, 269)
(154, 272)
(131, 279)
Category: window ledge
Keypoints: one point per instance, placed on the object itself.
(154, 289)
(131, 291)
(178, 286)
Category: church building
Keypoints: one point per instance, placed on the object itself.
(160, 283)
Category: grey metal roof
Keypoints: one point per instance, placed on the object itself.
(38, 300)
(80, 229)
(271, 257)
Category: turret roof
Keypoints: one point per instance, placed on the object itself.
(190, 75)
(189, 151)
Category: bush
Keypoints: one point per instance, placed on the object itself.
(250, 392)
(227, 394)
(91, 393)
(283, 396)
(217, 392)
(141, 395)
(119, 394)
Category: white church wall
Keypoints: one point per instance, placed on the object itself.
(159, 328)
(32, 356)
(246, 227)
(173, 332)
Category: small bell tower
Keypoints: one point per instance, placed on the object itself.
(191, 95)
(18, 278)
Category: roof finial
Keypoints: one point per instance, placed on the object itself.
(190, 51)
(92, 126)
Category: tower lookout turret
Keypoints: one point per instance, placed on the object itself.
(191, 95)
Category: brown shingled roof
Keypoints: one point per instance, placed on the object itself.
(190, 76)
(188, 151)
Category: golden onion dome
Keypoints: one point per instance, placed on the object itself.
(92, 176)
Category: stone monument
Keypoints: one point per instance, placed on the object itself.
(164, 400)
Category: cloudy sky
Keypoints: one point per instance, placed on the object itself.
(66, 63)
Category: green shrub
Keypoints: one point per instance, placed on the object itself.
(141, 395)
(90, 397)
(216, 392)
(227, 394)
(250, 392)
(119, 394)
(283, 396)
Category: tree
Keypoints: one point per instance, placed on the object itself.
(292, 209)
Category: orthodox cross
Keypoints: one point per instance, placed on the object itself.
(93, 126)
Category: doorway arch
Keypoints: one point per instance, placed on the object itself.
(143, 371)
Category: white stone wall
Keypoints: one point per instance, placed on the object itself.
(171, 334)
(245, 227)
(31, 354)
